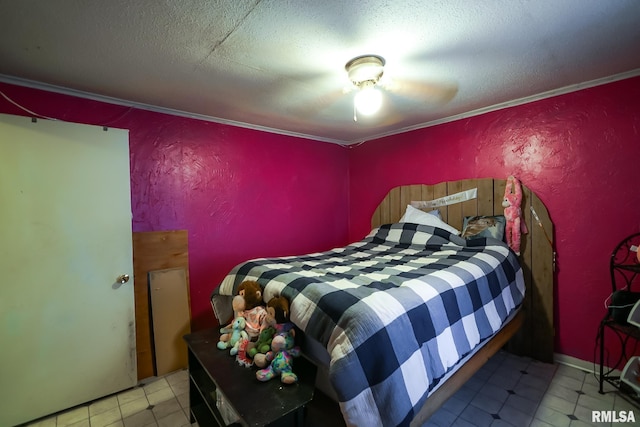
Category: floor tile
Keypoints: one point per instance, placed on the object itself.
(134, 406)
(495, 392)
(180, 387)
(455, 405)
(559, 404)
(465, 395)
(593, 389)
(567, 381)
(580, 423)
(477, 416)
(505, 379)
(73, 416)
(539, 423)
(529, 392)
(595, 402)
(181, 376)
(514, 416)
(585, 414)
(568, 371)
(106, 418)
(475, 384)
(460, 422)
(552, 417)
(183, 399)
(157, 385)
(522, 404)
(442, 418)
(130, 395)
(176, 419)
(165, 408)
(103, 405)
(535, 382)
(160, 396)
(487, 403)
(140, 419)
(542, 370)
(565, 393)
(508, 391)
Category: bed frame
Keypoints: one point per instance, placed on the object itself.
(531, 331)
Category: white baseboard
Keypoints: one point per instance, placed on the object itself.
(574, 362)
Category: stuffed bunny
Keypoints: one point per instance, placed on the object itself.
(513, 213)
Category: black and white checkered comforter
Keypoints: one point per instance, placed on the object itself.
(395, 310)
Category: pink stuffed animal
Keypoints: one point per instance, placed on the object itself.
(513, 213)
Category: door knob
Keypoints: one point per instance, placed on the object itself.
(123, 278)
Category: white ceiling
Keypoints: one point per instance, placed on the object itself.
(278, 65)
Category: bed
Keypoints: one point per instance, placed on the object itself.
(401, 319)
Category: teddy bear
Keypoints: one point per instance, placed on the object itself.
(277, 319)
(513, 213)
(263, 345)
(283, 350)
(277, 313)
(248, 304)
(236, 336)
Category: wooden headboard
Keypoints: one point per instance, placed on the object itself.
(536, 337)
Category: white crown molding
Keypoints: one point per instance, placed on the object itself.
(102, 98)
(164, 110)
(513, 103)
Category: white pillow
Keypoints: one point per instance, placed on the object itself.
(416, 216)
(434, 212)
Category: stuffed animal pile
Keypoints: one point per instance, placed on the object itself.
(261, 336)
(513, 213)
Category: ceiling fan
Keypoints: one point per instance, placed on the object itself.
(376, 94)
(365, 72)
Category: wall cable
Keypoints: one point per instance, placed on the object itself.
(128, 110)
(24, 108)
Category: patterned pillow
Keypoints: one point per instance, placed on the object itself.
(476, 227)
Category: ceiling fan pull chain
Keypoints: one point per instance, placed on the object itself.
(355, 113)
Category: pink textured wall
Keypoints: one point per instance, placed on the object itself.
(244, 193)
(579, 152)
(240, 193)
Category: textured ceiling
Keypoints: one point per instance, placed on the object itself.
(278, 65)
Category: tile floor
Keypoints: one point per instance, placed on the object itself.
(161, 402)
(507, 391)
(514, 391)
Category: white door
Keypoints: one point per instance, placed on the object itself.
(67, 332)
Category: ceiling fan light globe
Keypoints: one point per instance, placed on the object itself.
(368, 101)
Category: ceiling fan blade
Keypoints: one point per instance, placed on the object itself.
(390, 115)
(439, 93)
(316, 106)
